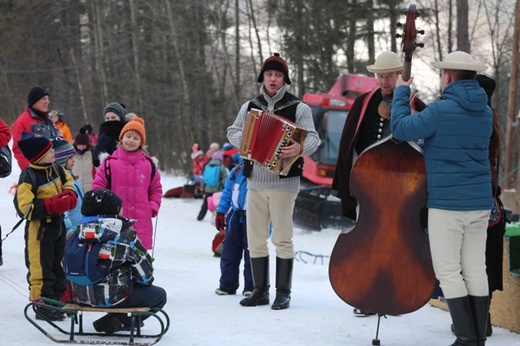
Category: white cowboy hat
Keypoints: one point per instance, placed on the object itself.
(459, 61)
(386, 62)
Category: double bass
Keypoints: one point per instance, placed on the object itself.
(383, 265)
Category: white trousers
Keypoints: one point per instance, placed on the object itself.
(270, 205)
(458, 248)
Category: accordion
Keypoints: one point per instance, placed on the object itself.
(263, 137)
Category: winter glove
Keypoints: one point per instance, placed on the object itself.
(73, 196)
(60, 203)
(220, 222)
(154, 213)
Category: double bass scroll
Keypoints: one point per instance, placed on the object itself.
(409, 42)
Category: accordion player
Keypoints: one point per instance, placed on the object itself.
(264, 135)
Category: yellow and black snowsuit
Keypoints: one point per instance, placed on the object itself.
(44, 234)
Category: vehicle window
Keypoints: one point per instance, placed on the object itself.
(333, 122)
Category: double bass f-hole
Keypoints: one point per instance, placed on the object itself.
(409, 36)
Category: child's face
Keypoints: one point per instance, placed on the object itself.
(131, 140)
(111, 116)
(70, 162)
(49, 157)
(81, 146)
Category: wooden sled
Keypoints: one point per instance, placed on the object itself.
(186, 191)
(77, 335)
(173, 193)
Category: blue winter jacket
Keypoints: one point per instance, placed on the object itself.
(73, 216)
(456, 132)
(234, 193)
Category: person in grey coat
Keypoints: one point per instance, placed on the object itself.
(271, 197)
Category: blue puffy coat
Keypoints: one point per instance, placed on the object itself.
(456, 132)
(234, 193)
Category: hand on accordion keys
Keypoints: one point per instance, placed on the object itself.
(291, 150)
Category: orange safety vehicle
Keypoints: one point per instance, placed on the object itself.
(316, 207)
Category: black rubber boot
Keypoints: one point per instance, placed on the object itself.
(463, 322)
(260, 273)
(108, 324)
(489, 329)
(284, 269)
(480, 310)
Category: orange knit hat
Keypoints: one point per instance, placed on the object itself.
(136, 124)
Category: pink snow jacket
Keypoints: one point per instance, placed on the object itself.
(131, 179)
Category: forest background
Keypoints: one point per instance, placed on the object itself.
(186, 66)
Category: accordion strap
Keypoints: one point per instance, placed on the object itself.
(257, 102)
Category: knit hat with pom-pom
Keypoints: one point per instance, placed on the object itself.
(116, 108)
(82, 138)
(34, 146)
(136, 124)
(101, 202)
(276, 63)
(63, 150)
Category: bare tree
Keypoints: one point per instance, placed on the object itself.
(511, 154)
(462, 26)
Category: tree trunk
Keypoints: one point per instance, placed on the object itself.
(370, 32)
(511, 113)
(135, 52)
(462, 26)
(175, 44)
(99, 52)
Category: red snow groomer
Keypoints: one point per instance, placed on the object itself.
(315, 207)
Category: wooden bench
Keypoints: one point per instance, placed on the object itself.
(133, 337)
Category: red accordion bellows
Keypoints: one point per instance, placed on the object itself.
(263, 137)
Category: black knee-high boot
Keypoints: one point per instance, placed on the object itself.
(480, 310)
(463, 321)
(284, 269)
(260, 273)
(489, 329)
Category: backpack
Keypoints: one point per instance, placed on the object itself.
(108, 171)
(6, 159)
(32, 175)
(28, 170)
(80, 261)
(211, 175)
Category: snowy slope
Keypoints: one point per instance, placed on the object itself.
(186, 268)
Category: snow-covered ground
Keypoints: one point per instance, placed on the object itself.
(186, 268)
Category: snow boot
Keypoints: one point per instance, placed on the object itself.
(284, 269)
(480, 310)
(361, 313)
(108, 324)
(463, 321)
(45, 313)
(489, 329)
(260, 272)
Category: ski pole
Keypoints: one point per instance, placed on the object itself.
(154, 234)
